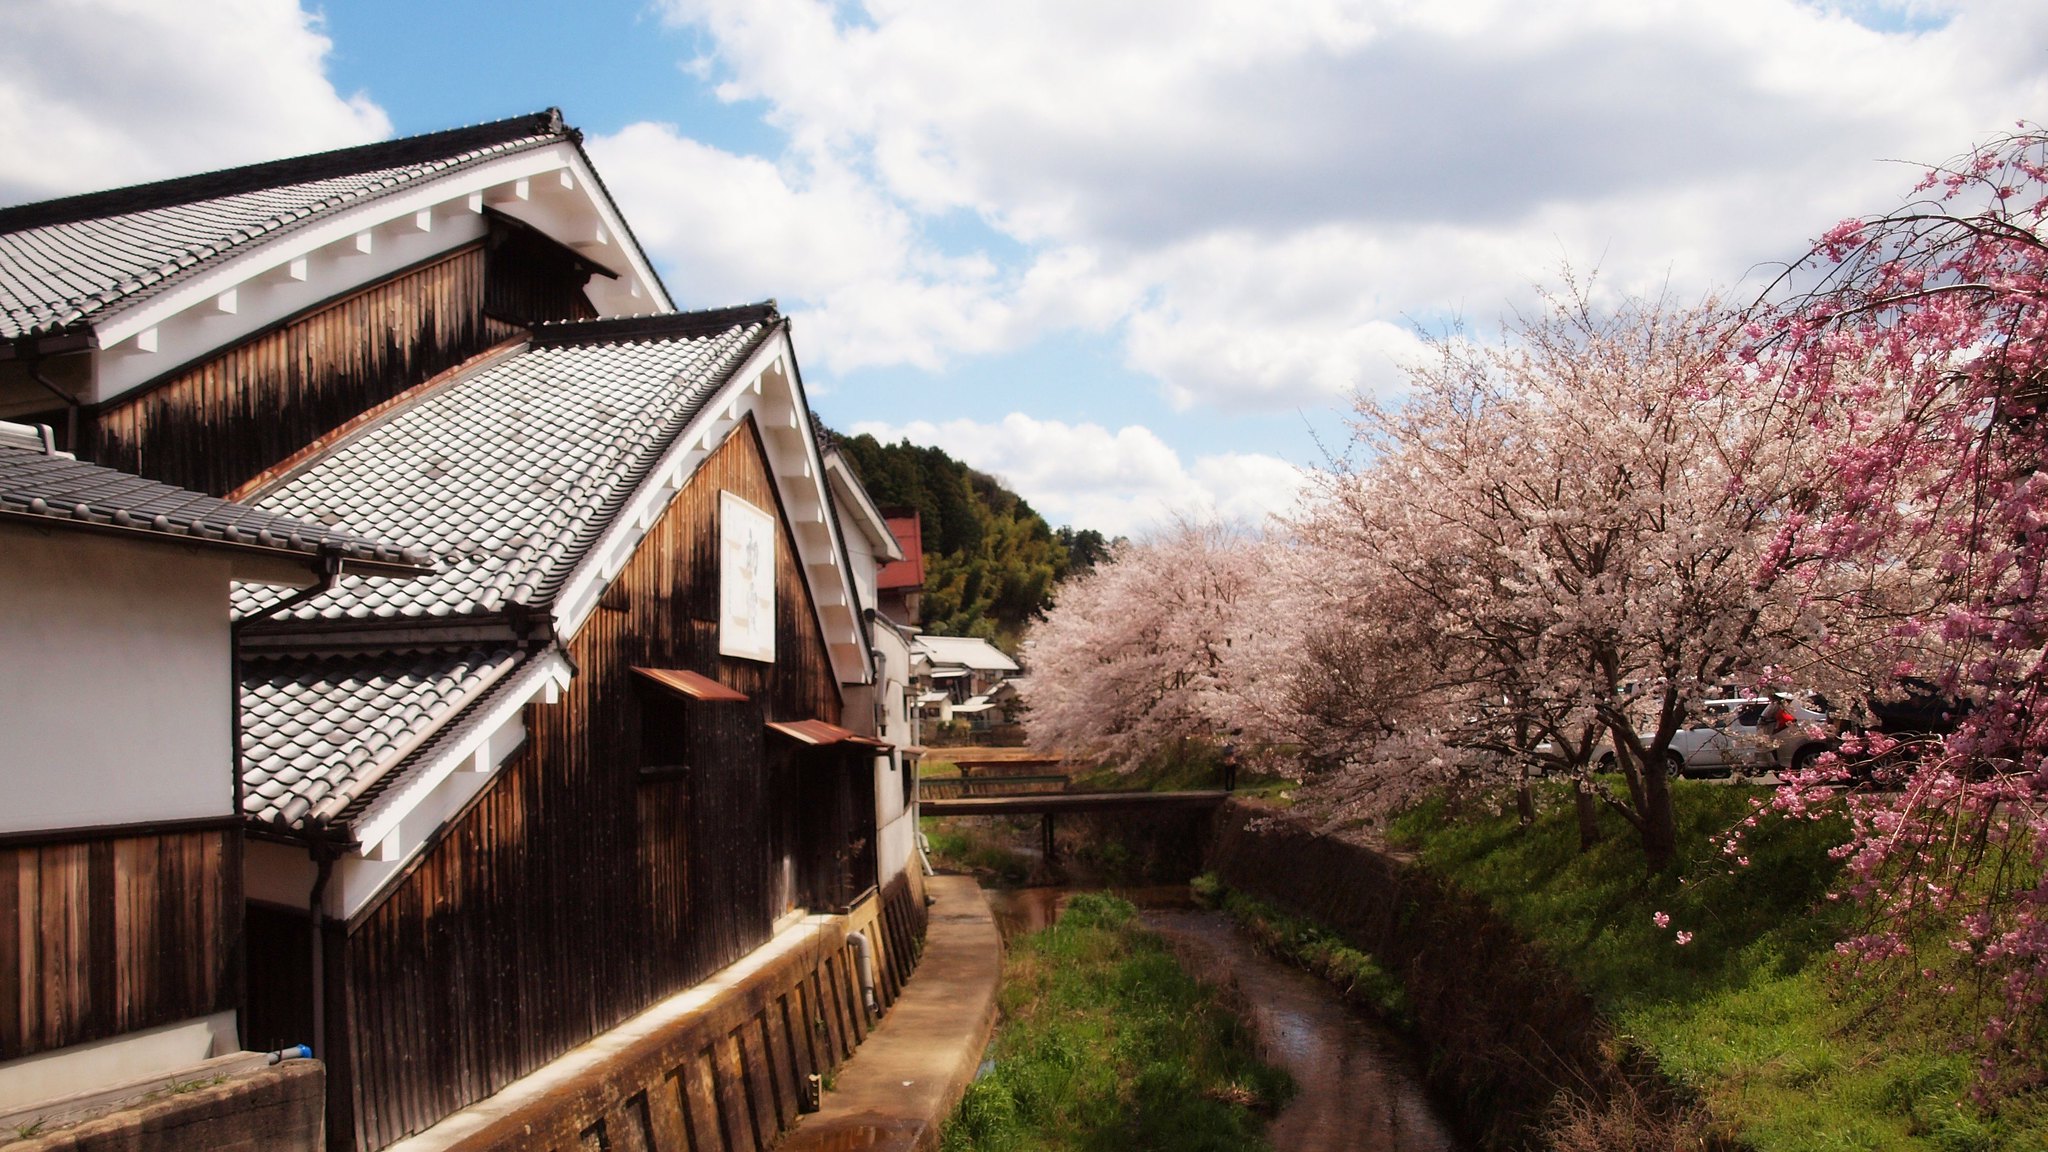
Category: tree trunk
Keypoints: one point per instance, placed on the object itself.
(1660, 825)
(1588, 811)
(1525, 801)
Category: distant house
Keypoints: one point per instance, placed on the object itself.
(1007, 700)
(900, 585)
(120, 836)
(965, 666)
(961, 673)
(632, 731)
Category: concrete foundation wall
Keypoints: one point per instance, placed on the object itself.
(277, 1109)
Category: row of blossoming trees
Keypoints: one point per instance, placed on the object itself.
(1559, 544)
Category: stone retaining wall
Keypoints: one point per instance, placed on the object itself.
(1508, 1037)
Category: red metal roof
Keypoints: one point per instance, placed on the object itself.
(909, 571)
(690, 684)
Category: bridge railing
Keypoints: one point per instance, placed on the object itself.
(954, 787)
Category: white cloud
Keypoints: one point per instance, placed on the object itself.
(1262, 197)
(101, 93)
(866, 287)
(1123, 482)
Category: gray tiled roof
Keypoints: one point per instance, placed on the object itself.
(38, 487)
(318, 730)
(380, 796)
(62, 262)
(509, 474)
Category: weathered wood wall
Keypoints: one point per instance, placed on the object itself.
(211, 426)
(727, 1077)
(107, 935)
(576, 891)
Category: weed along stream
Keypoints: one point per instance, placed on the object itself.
(1108, 1043)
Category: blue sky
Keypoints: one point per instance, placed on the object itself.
(610, 64)
(1135, 258)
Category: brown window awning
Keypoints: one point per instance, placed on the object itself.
(690, 684)
(818, 732)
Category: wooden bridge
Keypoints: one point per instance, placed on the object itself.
(1047, 806)
(1052, 803)
(1014, 782)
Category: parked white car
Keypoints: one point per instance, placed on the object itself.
(1748, 734)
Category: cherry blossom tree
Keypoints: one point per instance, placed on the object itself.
(1135, 654)
(1930, 325)
(1569, 533)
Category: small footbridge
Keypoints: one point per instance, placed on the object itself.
(1018, 784)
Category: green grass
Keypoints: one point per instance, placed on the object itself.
(1108, 1045)
(1755, 1013)
(983, 848)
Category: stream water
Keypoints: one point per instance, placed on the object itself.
(1358, 1089)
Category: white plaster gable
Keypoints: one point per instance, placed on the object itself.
(552, 188)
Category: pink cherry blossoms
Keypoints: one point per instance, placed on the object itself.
(1931, 325)
(1558, 546)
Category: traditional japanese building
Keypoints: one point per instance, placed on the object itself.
(120, 834)
(628, 734)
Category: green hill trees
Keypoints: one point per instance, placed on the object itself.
(990, 560)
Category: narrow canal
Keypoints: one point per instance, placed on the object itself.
(1358, 1090)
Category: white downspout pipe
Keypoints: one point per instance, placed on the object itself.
(864, 964)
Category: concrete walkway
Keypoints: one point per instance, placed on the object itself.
(899, 1087)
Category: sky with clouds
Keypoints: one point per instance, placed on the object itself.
(1131, 257)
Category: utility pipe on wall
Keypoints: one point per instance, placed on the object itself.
(316, 916)
(864, 964)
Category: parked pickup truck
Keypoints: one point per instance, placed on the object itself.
(1750, 734)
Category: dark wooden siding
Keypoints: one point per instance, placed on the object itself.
(577, 890)
(104, 936)
(530, 278)
(214, 425)
(725, 1078)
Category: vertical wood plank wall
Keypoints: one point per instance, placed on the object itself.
(222, 421)
(572, 894)
(213, 425)
(104, 936)
(728, 1076)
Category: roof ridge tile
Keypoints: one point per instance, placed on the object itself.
(448, 144)
(656, 326)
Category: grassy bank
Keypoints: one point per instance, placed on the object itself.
(1310, 946)
(1737, 992)
(1107, 1044)
(989, 849)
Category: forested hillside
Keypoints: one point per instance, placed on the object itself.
(990, 560)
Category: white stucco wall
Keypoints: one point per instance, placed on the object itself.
(115, 702)
(895, 684)
(864, 563)
(896, 825)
